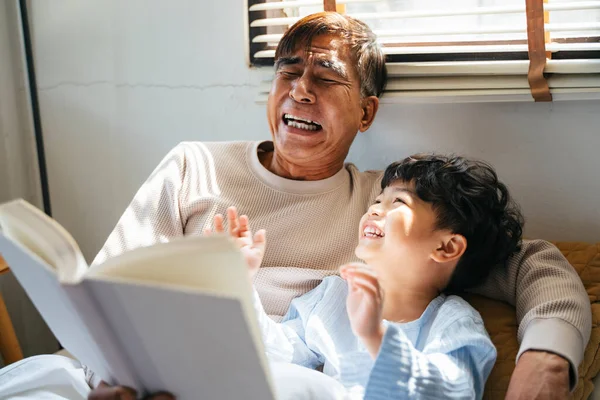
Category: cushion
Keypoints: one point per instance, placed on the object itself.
(500, 321)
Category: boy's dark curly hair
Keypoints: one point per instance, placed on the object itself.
(469, 200)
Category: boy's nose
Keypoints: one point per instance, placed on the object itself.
(376, 211)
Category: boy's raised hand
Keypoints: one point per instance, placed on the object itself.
(364, 304)
(252, 247)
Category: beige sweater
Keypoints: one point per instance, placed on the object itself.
(312, 228)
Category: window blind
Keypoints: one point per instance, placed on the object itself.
(459, 50)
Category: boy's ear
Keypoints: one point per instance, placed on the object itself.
(451, 248)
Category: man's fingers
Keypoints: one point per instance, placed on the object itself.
(106, 392)
(160, 396)
(218, 223)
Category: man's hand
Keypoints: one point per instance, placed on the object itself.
(365, 305)
(252, 247)
(539, 375)
(106, 392)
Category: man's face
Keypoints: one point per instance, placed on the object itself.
(398, 230)
(315, 108)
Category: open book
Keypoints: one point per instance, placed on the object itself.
(175, 316)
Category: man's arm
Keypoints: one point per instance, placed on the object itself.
(539, 375)
(154, 214)
(553, 311)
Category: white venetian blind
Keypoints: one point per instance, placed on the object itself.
(458, 50)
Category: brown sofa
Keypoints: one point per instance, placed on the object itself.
(500, 321)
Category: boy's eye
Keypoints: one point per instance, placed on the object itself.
(398, 199)
(377, 201)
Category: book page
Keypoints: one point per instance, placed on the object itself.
(44, 237)
(68, 312)
(212, 264)
(195, 345)
(209, 265)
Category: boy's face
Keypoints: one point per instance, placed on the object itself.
(399, 230)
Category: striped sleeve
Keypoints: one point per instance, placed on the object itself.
(286, 341)
(454, 364)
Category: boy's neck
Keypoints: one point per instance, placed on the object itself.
(403, 304)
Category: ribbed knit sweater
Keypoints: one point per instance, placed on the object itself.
(312, 229)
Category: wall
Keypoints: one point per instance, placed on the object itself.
(18, 174)
(546, 153)
(122, 82)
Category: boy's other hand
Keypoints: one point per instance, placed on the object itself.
(252, 247)
(364, 304)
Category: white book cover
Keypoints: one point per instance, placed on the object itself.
(175, 316)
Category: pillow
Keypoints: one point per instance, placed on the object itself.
(500, 322)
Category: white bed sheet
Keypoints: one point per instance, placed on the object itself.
(58, 377)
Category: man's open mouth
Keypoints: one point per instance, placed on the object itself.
(301, 123)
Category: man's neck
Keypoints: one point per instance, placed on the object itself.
(404, 304)
(285, 169)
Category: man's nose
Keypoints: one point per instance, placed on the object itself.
(301, 92)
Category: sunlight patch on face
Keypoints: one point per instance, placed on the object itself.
(409, 219)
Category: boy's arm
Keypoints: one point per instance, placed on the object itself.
(286, 341)
(553, 309)
(454, 364)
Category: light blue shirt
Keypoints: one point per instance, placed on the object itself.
(446, 353)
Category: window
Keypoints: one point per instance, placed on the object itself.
(460, 50)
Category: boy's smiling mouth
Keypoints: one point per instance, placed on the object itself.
(371, 230)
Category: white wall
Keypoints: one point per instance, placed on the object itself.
(122, 82)
(18, 162)
(18, 174)
(546, 153)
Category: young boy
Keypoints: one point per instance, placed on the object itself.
(389, 331)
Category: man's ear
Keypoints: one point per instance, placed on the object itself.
(451, 248)
(370, 105)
